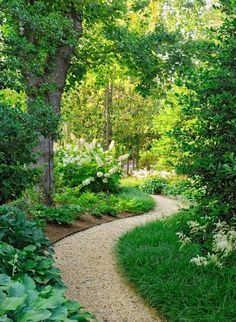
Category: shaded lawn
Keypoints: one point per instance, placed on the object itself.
(151, 258)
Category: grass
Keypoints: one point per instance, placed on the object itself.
(182, 292)
(132, 182)
(134, 201)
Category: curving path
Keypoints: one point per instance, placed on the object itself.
(89, 268)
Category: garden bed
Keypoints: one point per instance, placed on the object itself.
(57, 232)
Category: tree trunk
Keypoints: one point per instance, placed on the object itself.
(107, 115)
(56, 77)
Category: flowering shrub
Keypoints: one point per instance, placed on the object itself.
(217, 238)
(87, 167)
(145, 173)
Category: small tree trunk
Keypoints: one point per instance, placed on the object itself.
(107, 115)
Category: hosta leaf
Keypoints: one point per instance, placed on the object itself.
(5, 319)
(30, 248)
(33, 315)
(29, 283)
(29, 264)
(17, 290)
(5, 281)
(50, 303)
(11, 303)
(59, 314)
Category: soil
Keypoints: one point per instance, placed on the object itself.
(56, 232)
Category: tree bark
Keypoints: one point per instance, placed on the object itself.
(108, 115)
(57, 77)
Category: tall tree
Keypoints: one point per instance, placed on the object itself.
(39, 41)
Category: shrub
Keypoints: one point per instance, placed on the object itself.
(15, 262)
(184, 188)
(60, 215)
(88, 167)
(99, 204)
(22, 301)
(209, 143)
(30, 286)
(154, 185)
(18, 140)
(19, 232)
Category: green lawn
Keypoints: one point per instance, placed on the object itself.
(151, 259)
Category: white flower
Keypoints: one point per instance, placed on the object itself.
(112, 170)
(123, 157)
(99, 174)
(196, 227)
(87, 181)
(67, 160)
(111, 146)
(81, 141)
(99, 161)
(222, 243)
(199, 261)
(108, 159)
(76, 148)
(105, 180)
(183, 239)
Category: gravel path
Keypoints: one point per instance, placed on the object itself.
(89, 269)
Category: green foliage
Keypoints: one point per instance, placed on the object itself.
(131, 181)
(18, 139)
(154, 185)
(151, 258)
(22, 301)
(15, 262)
(19, 232)
(59, 215)
(88, 167)
(184, 188)
(129, 199)
(30, 286)
(98, 204)
(134, 201)
(209, 143)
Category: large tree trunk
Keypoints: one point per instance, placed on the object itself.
(108, 115)
(57, 77)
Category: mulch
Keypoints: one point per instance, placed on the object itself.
(56, 232)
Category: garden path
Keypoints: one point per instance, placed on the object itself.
(89, 268)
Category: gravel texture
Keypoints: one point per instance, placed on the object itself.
(89, 268)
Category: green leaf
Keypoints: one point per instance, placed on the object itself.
(33, 315)
(11, 303)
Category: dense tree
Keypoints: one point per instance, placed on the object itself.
(209, 143)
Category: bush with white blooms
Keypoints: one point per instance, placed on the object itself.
(88, 167)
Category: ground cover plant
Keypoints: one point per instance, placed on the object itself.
(31, 288)
(127, 200)
(151, 258)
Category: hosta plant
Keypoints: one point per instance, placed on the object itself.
(20, 301)
(19, 232)
(15, 262)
